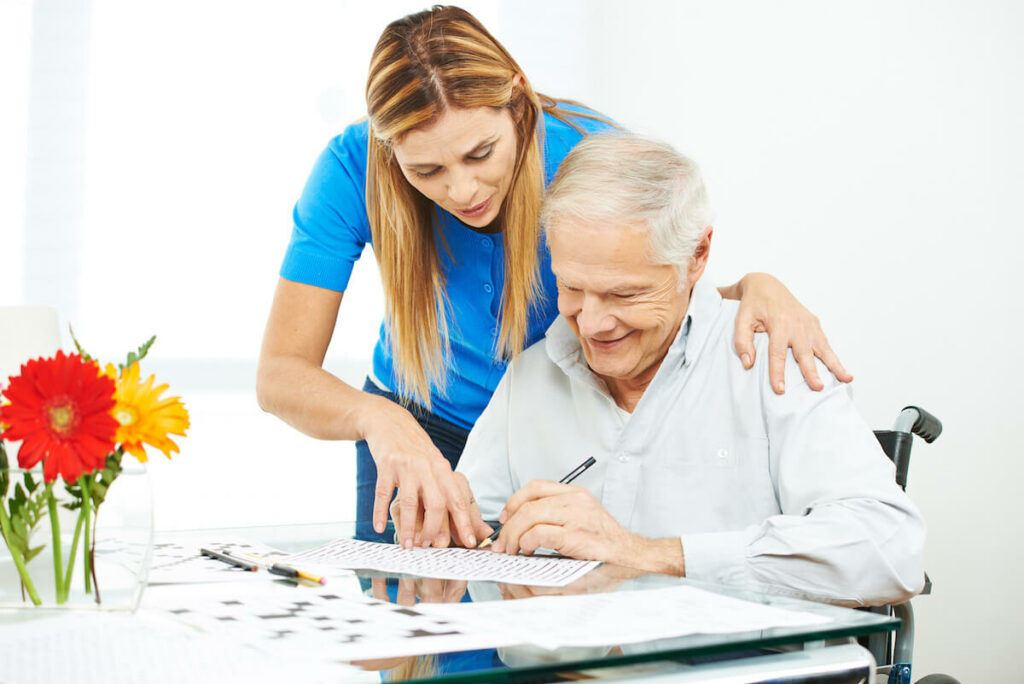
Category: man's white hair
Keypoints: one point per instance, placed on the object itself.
(620, 179)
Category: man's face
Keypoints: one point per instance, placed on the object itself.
(625, 310)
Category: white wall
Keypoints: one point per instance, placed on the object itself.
(869, 155)
(866, 153)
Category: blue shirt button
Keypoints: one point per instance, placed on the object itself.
(487, 288)
(486, 243)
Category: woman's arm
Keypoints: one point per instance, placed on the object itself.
(292, 385)
(767, 306)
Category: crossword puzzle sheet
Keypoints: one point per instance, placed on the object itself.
(340, 625)
(464, 564)
(179, 561)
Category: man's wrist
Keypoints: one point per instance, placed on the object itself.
(664, 556)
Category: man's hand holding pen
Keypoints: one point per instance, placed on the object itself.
(571, 521)
(566, 519)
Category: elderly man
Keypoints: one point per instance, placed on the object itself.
(702, 470)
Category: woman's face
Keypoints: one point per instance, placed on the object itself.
(463, 162)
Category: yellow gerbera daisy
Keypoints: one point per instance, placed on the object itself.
(144, 417)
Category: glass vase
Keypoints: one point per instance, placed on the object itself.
(107, 573)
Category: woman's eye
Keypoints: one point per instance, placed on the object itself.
(483, 155)
(427, 174)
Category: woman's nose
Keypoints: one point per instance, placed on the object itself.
(462, 188)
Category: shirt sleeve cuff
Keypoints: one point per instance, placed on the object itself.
(718, 557)
(316, 269)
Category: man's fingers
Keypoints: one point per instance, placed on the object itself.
(536, 489)
(550, 510)
(542, 535)
(382, 497)
(777, 365)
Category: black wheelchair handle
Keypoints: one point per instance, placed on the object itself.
(927, 426)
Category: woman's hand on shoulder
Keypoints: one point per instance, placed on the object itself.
(767, 306)
(434, 503)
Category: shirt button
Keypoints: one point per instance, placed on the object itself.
(723, 453)
(484, 242)
(487, 288)
(623, 459)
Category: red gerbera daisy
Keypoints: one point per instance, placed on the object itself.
(60, 410)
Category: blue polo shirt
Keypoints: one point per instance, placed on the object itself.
(331, 229)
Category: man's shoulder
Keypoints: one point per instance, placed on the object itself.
(537, 366)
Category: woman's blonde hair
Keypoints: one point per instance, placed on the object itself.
(422, 65)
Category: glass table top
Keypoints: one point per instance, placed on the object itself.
(513, 663)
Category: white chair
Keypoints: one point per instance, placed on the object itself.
(26, 332)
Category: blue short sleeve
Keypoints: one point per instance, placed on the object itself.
(330, 223)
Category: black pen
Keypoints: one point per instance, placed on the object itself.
(572, 475)
(293, 573)
(229, 559)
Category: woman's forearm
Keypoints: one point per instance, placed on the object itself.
(314, 401)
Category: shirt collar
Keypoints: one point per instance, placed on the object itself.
(565, 350)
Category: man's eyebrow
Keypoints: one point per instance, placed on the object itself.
(631, 288)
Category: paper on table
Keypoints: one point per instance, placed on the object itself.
(330, 622)
(464, 564)
(88, 648)
(177, 560)
(623, 617)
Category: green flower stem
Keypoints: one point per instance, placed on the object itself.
(86, 545)
(19, 562)
(58, 562)
(71, 559)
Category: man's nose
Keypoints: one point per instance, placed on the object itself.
(462, 188)
(595, 317)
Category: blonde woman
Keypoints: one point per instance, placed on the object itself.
(444, 180)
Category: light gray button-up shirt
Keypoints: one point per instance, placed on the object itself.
(773, 493)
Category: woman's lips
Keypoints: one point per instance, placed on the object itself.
(473, 212)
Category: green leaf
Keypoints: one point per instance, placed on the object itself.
(5, 473)
(138, 355)
(32, 553)
(81, 352)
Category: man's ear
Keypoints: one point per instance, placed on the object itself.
(699, 260)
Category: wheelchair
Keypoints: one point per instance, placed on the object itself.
(894, 651)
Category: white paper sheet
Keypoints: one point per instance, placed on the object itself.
(464, 564)
(98, 648)
(344, 625)
(623, 617)
(177, 561)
